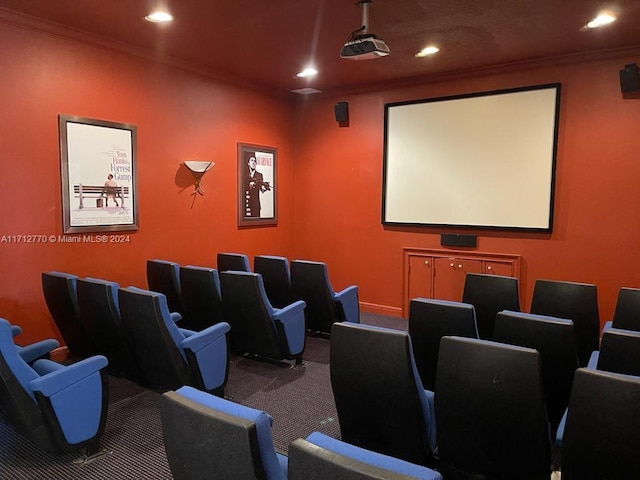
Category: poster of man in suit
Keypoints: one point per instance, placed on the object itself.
(257, 195)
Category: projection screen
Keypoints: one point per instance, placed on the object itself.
(483, 160)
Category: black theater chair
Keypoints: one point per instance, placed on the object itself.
(381, 403)
(619, 352)
(168, 356)
(201, 296)
(490, 294)
(238, 262)
(256, 327)
(59, 408)
(210, 437)
(61, 296)
(429, 321)
(100, 315)
(554, 339)
(602, 433)
(627, 312)
(164, 277)
(490, 411)
(276, 277)
(577, 302)
(310, 282)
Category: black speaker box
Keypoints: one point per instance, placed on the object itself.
(341, 110)
(457, 240)
(629, 78)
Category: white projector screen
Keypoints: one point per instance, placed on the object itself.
(484, 160)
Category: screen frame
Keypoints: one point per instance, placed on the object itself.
(548, 161)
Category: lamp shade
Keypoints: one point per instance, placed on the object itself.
(198, 166)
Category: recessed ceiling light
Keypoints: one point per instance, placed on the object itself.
(159, 17)
(601, 20)
(307, 72)
(430, 50)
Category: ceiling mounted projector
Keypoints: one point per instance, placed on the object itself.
(363, 45)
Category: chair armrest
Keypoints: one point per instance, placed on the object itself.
(593, 360)
(32, 352)
(607, 326)
(292, 320)
(379, 460)
(560, 431)
(186, 332)
(62, 378)
(290, 312)
(430, 418)
(199, 340)
(210, 359)
(349, 300)
(16, 330)
(176, 317)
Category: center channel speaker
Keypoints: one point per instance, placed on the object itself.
(457, 240)
(629, 78)
(341, 110)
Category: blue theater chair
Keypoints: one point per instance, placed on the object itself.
(310, 282)
(256, 327)
(59, 408)
(381, 403)
(490, 294)
(577, 302)
(320, 457)
(429, 321)
(210, 437)
(626, 315)
(601, 437)
(233, 261)
(619, 352)
(276, 277)
(554, 339)
(164, 277)
(490, 411)
(34, 351)
(100, 315)
(201, 296)
(61, 296)
(169, 356)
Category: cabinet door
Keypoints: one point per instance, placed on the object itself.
(420, 276)
(504, 269)
(449, 276)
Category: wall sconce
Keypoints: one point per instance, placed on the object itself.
(198, 168)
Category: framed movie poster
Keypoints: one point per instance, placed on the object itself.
(98, 167)
(257, 189)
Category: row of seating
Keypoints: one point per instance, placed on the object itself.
(208, 436)
(578, 302)
(431, 320)
(489, 406)
(200, 302)
(134, 329)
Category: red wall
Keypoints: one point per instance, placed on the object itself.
(331, 177)
(179, 116)
(596, 235)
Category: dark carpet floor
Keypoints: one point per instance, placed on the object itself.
(299, 399)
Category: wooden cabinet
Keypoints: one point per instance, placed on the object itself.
(436, 273)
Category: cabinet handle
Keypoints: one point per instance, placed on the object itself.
(452, 265)
(426, 262)
(460, 266)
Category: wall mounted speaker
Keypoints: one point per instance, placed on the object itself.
(457, 240)
(629, 78)
(341, 110)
